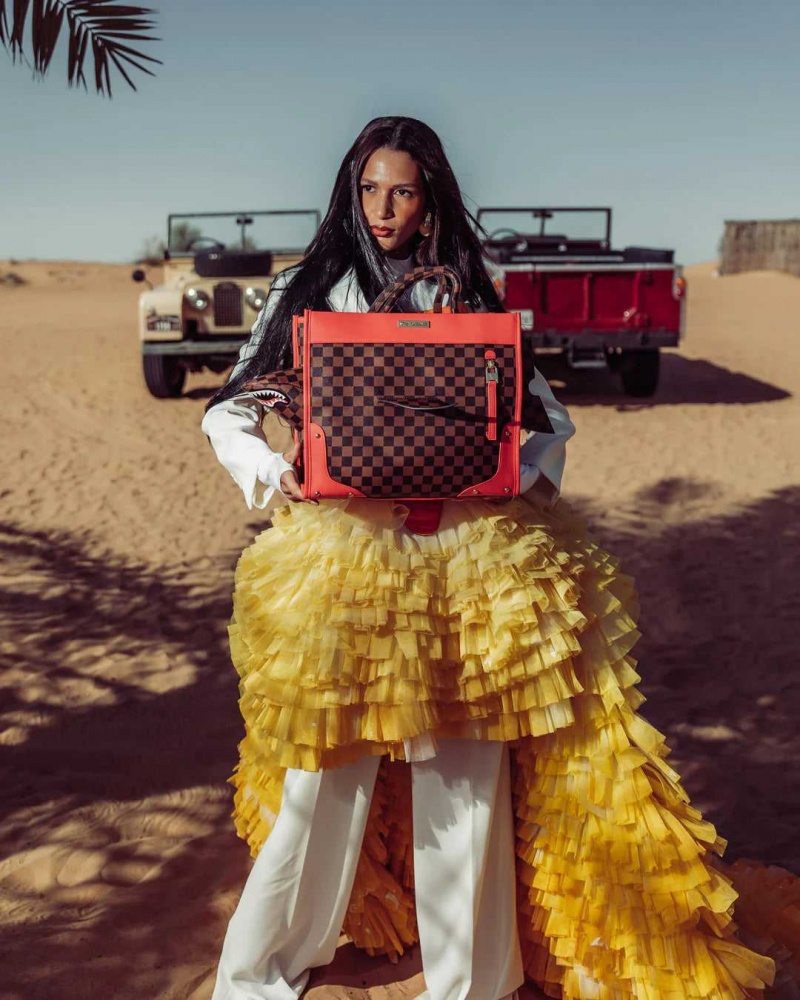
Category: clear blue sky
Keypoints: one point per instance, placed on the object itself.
(677, 114)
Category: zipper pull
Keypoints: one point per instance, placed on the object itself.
(492, 374)
(492, 378)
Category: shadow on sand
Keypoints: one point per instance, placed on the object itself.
(721, 599)
(201, 392)
(720, 605)
(683, 380)
(118, 702)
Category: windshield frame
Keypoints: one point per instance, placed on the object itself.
(541, 216)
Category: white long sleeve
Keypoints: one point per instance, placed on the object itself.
(234, 429)
(234, 425)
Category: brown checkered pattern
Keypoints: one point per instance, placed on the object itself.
(298, 356)
(382, 448)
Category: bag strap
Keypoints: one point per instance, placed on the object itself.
(447, 280)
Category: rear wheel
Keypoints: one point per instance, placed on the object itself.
(164, 376)
(639, 371)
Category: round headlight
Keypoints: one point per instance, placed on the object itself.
(255, 298)
(197, 299)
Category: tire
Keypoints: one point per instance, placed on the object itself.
(639, 371)
(164, 376)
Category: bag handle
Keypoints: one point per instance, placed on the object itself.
(447, 280)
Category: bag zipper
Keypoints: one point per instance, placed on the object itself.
(492, 378)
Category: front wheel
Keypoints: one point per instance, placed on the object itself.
(639, 371)
(164, 376)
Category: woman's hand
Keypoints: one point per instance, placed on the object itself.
(290, 485)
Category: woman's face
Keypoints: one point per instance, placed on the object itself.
(393, 200)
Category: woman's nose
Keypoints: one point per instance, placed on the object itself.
(385, 207)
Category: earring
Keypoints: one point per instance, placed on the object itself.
(427, 226)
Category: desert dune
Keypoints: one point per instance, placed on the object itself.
(118, 862)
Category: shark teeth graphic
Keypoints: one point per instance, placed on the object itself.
(269, 397)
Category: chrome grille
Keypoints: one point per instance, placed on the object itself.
(227, 304)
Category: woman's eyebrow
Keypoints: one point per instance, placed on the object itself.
(409, 184)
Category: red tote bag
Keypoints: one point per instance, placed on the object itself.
(405, 406)
(415, 406)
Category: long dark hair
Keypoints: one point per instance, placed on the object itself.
(344, 241)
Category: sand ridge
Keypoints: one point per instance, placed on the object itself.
(119, 532)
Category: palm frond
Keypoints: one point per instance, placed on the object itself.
(105, 27)
(12, 37)
(48, 17)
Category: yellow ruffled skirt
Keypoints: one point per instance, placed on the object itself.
(351, 635)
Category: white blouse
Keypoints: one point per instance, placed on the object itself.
(234, 426)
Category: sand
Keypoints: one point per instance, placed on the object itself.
(119, 535)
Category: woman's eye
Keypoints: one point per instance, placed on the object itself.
(404, 192)
(367, 187)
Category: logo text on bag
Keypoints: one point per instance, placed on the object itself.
(414, 322)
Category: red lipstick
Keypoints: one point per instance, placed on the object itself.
(381, 230)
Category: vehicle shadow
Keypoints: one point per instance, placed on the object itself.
(201, 392)
(683, 380)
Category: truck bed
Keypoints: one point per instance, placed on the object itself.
(610, 304)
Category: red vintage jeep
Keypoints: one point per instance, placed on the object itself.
(577, 296)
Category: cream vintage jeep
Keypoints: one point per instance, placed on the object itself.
(217, 270)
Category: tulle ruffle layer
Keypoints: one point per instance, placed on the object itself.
(351, 635)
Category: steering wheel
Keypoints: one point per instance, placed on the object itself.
(216, 245)
(505, 233)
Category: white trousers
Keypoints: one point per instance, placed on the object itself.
(291, 912)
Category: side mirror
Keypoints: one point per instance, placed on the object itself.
(139, 275)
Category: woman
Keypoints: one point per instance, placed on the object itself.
(360, 642)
